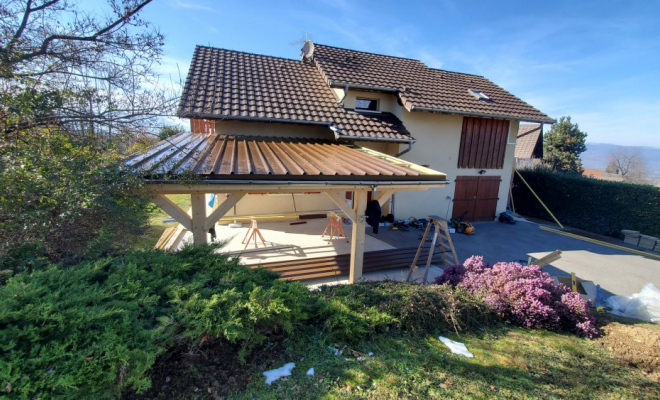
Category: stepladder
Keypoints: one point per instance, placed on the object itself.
(442, 240)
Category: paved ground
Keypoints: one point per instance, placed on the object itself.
(617, 272)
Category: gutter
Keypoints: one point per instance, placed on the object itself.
(259, 119)
(327, 183)
(440, 110)
(374, 139)
(348, 85)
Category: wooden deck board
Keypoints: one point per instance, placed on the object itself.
(321, 267)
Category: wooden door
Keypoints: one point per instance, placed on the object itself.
(465, 197)
(477, 197)
(487, 196)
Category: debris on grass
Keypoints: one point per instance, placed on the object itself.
(456, 347)
(310, 372)
(275, 374)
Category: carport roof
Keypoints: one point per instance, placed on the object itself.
(213, 157)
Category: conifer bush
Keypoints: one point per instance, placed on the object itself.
(95, 328)
(524, 295)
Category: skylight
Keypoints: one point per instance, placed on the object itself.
(479, 95)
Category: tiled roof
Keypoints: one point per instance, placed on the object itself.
(242, 158)
(235, 85)
(527, 140)
(420, 87)
(601, 175)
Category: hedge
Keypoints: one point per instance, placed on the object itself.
(593, 205)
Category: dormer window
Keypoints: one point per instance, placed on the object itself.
(362, 104)
(479, 95)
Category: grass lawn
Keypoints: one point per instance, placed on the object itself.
(514, 363)
(157, 226)
(509, 362)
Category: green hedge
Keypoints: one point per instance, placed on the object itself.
(593, 205)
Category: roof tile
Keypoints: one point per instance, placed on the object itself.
(225, 83)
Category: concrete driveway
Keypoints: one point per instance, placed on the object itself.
(617, 272)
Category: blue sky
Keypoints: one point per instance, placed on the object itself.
(597, 61)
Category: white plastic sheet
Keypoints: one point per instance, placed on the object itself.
(275, 374)
(456, 347)
(644, 305)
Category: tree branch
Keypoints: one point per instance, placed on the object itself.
(91, 38)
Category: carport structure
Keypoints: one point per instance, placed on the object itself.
(204, 164)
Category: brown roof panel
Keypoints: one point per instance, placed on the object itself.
(222, 157)
(235, 85)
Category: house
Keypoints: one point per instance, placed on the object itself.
(461, 124)
(601, 175)
(529, 145)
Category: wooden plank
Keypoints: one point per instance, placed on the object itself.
(358, 236)
(489, 141)
(173, 210)
(503, 144)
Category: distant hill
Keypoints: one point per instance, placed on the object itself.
(597, 157)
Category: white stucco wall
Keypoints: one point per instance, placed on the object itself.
(438, 143)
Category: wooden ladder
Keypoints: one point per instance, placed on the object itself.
(446, 248)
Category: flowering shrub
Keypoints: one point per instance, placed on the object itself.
(524, 295)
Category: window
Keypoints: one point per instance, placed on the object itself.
(483, 143)
(366, 104)
(479, 95)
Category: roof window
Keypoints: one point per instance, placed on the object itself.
(479, 95)
(363, 104)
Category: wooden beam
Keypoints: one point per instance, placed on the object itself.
(340, 201)
(358, 236)
(222, 209)
(199, 231)
(173, 210)
(383, 196)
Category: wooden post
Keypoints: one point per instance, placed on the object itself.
(357, 241)
(199, 231)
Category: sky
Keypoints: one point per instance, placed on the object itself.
(596, 61)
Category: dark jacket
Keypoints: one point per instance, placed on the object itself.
(373, 214)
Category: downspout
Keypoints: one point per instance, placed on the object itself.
(345, 94)
(410, 146)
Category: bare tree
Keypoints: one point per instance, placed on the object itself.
(629, 163)
(90, 71)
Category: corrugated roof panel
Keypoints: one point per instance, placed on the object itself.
(212, 156)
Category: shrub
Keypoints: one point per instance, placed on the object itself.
(596, 206)
(94, 328)
(417, 309)
(64, 198)
(526, 296)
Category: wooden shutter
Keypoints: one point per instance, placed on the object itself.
(483, 143)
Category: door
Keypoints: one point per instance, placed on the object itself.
(477, 197)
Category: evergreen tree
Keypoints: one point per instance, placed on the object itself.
(563, 146)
